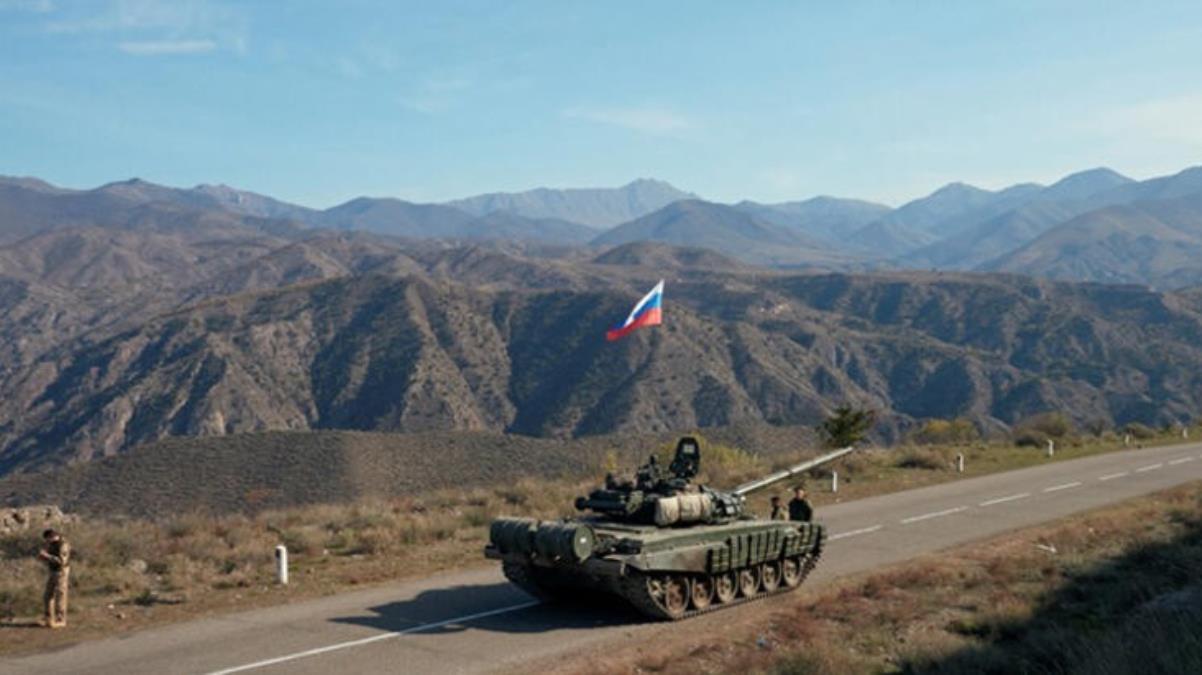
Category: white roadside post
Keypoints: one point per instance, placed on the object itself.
(1184, 432)
(960, 463)
(1127, 440)
(834, 481)
(1051, 447)
(281, 565)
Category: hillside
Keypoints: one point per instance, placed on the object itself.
(421, 353)
(281, 469)
(1153, 242)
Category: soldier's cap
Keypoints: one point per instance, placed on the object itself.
(46, 534)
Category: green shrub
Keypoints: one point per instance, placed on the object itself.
(923, 458)
(946, 432)
(1050, 424)
(1030, 438)
(1140, 431)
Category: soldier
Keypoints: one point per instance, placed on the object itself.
(799, 506)
(778, 511)
(57, 556)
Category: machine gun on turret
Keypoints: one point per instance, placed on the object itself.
(672, 498)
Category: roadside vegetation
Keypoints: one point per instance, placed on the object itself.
(135, 572)
(1113, 591)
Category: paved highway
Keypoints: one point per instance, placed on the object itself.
(473, 621)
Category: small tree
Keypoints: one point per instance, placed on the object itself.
(846, 426)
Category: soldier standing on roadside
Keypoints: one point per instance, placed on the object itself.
(778, 511)
(57, 556)
(799, 506)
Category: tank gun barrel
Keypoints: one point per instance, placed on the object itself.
(752, 486)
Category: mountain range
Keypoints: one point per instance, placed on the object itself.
(957, 227)
(134, 312)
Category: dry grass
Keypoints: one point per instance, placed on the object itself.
(132, 573)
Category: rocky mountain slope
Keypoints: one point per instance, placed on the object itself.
(416, 353)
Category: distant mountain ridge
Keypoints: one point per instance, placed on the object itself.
(722, 228)
(594, 207)
(957, 226)
(826, 219)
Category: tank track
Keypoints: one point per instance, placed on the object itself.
(633, 588)
(522, 576)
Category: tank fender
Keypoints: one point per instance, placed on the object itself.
(684, 559)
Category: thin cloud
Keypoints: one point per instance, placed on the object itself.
(167, 47)
(645, 119)
(152, 27)
(34, 6)
(1175, 119)
(437, 94)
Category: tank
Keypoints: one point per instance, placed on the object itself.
(668, 546)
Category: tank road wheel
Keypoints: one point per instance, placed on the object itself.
(725, 587)
(749, 581)
(770, 575)
(670, 592)
(790, 572)
(703, 591)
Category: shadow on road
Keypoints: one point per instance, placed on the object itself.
(449, 604)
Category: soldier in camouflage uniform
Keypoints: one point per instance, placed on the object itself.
(57, 556)
(778, 511)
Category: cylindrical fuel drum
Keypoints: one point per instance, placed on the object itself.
(569, 541)
(513, 535)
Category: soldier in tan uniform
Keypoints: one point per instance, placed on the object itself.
(778, 511)
(57, 556)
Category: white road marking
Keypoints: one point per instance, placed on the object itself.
(853, 533)
(375, 638)
(1112, 476)
(947, 512)
(1003, 500)
(1183, 460)
(1150, 467)
(1056, 488)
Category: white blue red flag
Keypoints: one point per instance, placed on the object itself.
(647, 313)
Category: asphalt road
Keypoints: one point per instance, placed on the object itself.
(473, 621)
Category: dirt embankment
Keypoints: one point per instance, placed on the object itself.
(255, 472)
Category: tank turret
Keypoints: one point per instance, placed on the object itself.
(670, 498)
(669, 546)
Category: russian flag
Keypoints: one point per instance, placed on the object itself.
(646, 313)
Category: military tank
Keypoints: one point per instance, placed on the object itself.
(668, 546)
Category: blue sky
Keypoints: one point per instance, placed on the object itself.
(320, 102)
